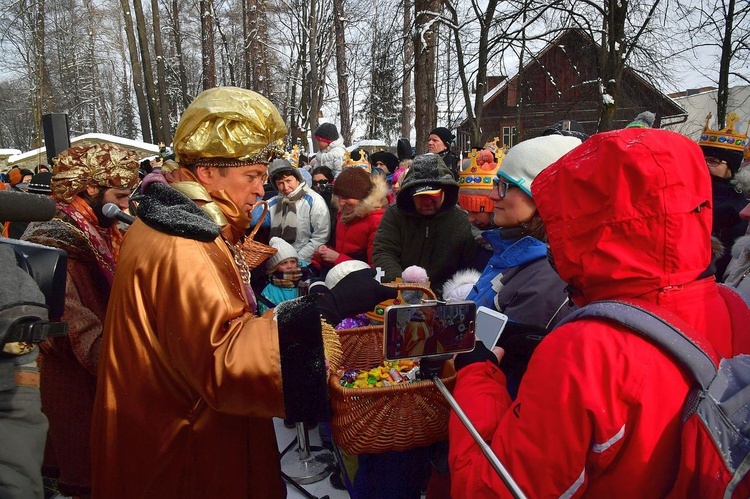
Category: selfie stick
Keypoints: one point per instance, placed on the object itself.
(486, 450)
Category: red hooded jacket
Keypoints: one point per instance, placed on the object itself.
(628, 215)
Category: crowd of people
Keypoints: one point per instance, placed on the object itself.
(187, 335)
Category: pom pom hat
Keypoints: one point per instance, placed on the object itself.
(527, 159)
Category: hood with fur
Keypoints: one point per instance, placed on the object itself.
(627, 212)
(377, 199)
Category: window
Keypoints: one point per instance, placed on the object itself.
(510, 135)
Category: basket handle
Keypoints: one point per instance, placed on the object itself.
(260, 220)
(412, 286)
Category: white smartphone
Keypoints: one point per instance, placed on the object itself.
(489, 326)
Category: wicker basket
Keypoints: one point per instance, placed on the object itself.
(392, 418)
(253, 252)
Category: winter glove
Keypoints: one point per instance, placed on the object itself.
(356, 293)
(479, 354)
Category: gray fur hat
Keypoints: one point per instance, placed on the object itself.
(282, 166)
(428, 172)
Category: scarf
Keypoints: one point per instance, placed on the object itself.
(104, 241)
(284, 217)
(288, 279)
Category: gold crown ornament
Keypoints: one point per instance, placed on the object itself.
(726, 138)
(362, 162)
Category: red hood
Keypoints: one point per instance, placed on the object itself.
(627, 213)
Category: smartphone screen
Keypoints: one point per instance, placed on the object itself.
(428, 330)
(489, 326)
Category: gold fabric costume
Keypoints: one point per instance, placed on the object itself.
(98, 165)
(229, 126)
(189, 377)
(182, 357)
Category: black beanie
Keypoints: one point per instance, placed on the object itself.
(353, 182)
(732, 157)
(40, 183)
(445, 135)
(327, 131)
(404, 149)
(387, 158)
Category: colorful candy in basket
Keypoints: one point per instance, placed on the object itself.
(387, 374)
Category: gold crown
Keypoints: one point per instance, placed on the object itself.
(293, 156)
(726, 138)
(361, 162)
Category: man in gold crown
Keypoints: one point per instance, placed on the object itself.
(723, 150)
(190, 377)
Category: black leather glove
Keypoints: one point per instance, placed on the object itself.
(356, 293)
(479, 354)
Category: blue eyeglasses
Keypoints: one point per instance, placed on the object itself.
(502, 186)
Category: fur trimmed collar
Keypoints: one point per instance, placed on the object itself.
(169, 211)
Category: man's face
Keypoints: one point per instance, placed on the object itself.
(428, 204)
(286, 184)
(243, 184)
(435, 144)
(480, 219)
(101, 196)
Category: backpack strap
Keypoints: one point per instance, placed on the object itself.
(647, 320)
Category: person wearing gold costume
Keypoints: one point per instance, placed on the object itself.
(190, 377)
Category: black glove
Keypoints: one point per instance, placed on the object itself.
(479, 354)
(356, 293)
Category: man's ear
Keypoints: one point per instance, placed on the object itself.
(205, 174)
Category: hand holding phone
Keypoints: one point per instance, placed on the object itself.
(489, 326)
(428, 330)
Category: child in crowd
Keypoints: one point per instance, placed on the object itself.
(284, 275)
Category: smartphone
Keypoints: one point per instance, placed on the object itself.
(489, 326)
(429, 329)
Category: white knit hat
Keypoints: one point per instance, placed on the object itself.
(527, 159)
(284, 250)
(342, 270)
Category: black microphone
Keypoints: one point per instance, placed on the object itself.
(24, 207)
(111, 210)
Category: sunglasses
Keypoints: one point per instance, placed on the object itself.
(502, 186)
(319, 182)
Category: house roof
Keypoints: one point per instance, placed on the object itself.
(497, 90)
(38, 156)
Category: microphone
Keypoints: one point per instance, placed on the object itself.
(111, 210)
(24, 207)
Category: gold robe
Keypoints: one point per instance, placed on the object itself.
(189, 378)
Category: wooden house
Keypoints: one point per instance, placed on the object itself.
(561, 83)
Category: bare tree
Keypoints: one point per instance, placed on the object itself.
(408, 63)
(342, 71)
(161, 75)
(425, 95)
(136, 71)
(208, 53)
